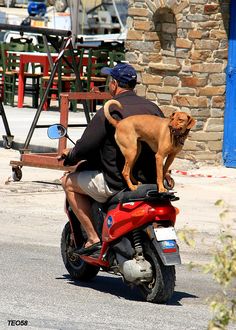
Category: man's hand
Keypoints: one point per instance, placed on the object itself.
(63, 154)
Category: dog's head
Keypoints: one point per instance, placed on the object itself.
(180, 122)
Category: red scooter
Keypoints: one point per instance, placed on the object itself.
(138, 238)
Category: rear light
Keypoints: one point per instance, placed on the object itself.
(177, 210)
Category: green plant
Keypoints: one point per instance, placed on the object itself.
(223, 270)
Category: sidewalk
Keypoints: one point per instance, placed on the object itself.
(20, 121)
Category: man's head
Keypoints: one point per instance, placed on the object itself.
(123, 74)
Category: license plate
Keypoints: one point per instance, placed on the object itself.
(163, 234)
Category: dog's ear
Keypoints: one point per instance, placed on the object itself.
(191, 122)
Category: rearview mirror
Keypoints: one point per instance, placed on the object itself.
(56, 131)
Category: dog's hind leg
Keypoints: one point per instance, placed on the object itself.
(136, 182)
(131, 154)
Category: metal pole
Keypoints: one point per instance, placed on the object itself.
(118, 15)
(74, 10)
(36, 117)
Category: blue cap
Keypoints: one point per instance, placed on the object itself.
(122, 72)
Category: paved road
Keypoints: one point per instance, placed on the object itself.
(35, 285)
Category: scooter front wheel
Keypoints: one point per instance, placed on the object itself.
(77, 268)
(161, 288)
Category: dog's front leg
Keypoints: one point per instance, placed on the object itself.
(159, 168)
(169, 160)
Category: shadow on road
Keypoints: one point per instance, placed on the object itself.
(115, 286)
(178, 296)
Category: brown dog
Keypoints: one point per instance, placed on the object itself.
(165, 136)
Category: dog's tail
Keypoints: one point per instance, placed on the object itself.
(107, 105)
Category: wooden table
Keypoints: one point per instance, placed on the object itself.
(30, 57)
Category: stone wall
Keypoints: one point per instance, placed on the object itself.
(179, 49)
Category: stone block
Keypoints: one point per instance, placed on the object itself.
(209, 25)
(142, 25)
(151, 36)
(164, 67)
(149, 79)
(131, 57)
(206, 44)
(217, 79)
(191, 81)
(168, 110)
(183, 43)
(140, 45)
(218, 101)
(151, 96)
(164, 97)
(163, 90)
(197, 18)
(207, 67)
(215, 145)
(194, 145)
(211, 9)
(171, 81)
(217, 113)
(185, 25)
(214, 125)
(179, 6)
(221, 54)
(187, 91)
(207, 156)
(211, 90)
(151, 57)
(141, 12)
(201, 55)
(134, 35)
(202, 113)
(182, 53)
(195, 34)
(141, 90)
(190, 101)
(206, 136)
(218, 34)
(151, 5)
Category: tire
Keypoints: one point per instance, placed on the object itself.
(16, 173)
(77, 268)
(6, 143)
(161, 289)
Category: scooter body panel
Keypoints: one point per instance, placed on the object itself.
(130, 216)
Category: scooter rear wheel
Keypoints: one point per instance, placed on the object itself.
(77, 268)
(161, 288)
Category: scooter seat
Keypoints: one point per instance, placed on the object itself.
(145, 192)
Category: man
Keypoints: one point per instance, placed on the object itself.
(100, 175)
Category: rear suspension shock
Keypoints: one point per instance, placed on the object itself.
(137, 242)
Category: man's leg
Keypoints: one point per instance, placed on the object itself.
(81, 206)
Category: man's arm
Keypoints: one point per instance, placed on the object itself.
(90, 141)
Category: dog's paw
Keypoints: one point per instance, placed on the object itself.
(133, 187)
(162, 190)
